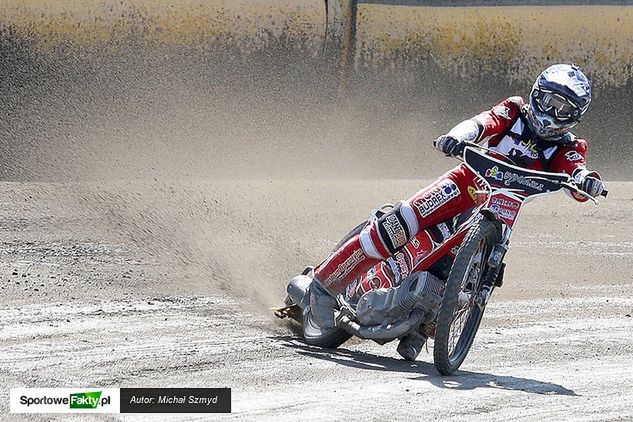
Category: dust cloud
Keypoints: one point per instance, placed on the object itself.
(200, 156)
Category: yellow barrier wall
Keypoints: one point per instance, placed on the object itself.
(518, 41)
(247, 23)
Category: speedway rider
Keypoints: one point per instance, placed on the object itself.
(534, 134)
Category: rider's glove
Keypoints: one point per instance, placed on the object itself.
(592, 185)
(449, 145)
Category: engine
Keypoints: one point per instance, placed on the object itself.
(420, 290)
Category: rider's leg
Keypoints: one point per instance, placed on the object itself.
(445, 198)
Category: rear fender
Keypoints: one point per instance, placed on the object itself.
(298, 289)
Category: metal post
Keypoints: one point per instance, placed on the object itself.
(340, 39)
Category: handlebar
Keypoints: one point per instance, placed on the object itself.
(570, 186)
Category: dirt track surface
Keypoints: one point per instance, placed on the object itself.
(139, 283)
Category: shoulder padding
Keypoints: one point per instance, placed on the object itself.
(518, 100)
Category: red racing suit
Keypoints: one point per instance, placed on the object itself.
(503, 129)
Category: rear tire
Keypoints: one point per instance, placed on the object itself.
(469, 267)
(330, 338)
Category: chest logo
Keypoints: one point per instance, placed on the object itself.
(573, 156)
(522, 149)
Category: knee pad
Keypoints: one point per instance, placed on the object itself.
(390, 232)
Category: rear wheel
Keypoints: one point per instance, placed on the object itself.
(332, 337)
(459, 316)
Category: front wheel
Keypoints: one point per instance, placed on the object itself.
(459, 315)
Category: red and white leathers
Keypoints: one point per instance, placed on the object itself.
(503, 129)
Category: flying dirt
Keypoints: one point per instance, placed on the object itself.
(158, 193)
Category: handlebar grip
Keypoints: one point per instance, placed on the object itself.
(604, 193)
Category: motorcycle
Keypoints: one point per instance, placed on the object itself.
(443, 277)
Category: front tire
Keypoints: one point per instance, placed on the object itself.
(457, 323)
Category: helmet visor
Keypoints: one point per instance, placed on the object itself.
(556, 105)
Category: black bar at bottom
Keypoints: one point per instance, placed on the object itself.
(175, 400)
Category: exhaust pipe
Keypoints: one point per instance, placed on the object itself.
(380, 333)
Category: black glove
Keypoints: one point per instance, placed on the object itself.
(592, 185)
(449, 145)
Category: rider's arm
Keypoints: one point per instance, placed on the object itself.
(572, 160)
(488, 126)
(452, 143)
(485, 128)
(466, 131)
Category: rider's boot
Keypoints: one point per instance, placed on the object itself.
(332, 278)
(411, 345)
(321, 306)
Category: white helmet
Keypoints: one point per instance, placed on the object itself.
(559, 98)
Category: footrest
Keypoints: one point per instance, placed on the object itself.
(293, 312)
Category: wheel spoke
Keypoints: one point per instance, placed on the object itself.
(469, 286)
